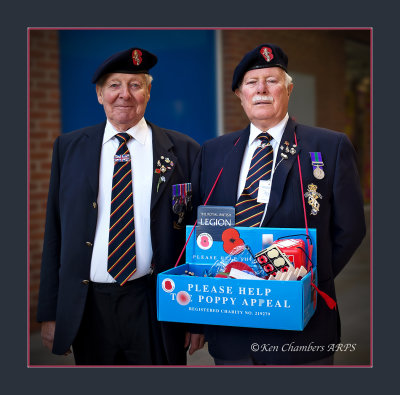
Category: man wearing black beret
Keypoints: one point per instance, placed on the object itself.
(111, 227)
(261, 179)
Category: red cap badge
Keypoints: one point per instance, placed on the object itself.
(137, 57)
(266, 52)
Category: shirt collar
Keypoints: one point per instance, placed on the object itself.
(139, 132)
(276, 131)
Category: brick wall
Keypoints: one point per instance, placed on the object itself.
(44, 128)
(320, 53)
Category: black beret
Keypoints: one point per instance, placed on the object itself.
(265, 55)
(130, 61)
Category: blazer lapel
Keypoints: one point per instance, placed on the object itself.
(281, 171)
(162, 156)
(232, 165)
(92, 149)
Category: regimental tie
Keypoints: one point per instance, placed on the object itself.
(249, 212)
(121, 245)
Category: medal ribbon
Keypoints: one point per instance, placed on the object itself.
(181, 193)
(316, 160)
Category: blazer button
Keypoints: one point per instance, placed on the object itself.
(86, 282)
(94, 205)
(89, 244)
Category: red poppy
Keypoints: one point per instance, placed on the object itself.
(158, 171)
(233, 244)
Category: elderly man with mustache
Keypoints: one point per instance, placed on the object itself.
(261, 179)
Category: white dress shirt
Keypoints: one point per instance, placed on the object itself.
(141, 150)
(276, 132)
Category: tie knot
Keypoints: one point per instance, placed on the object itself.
(123, 137)
(264, 137)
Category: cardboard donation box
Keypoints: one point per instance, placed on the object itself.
(199, 291)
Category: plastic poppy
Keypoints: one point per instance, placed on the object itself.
(233, 244)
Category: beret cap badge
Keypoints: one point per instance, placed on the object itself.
(266, 52)
(137, 57)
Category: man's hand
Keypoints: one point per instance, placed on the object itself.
(48, 329)
(195, 340)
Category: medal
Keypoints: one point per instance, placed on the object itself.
(318, 173)
(317, 164)
(181, 200)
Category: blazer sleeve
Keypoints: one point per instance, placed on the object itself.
(48, 291)
(348, 221)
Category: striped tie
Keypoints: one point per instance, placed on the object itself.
(248, 211)
(121, 245)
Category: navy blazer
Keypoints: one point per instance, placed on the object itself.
(340, 228)
(71, 224)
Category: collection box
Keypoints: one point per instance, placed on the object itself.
(186, 294)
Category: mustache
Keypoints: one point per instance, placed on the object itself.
(259, 98)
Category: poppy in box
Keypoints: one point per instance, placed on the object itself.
(233, 244)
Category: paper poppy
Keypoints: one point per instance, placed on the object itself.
(183, 298)
(233, 244)
(204, 241)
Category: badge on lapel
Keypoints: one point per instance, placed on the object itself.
(163, 165)
(181, 202)
(285, 150)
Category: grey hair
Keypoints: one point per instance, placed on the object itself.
(288, 79)
(149, 79)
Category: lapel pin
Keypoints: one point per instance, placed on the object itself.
(163, 165)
